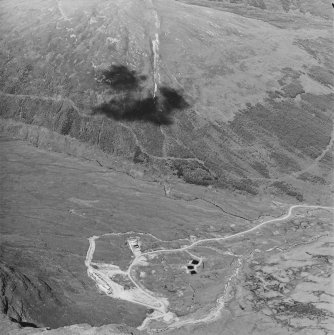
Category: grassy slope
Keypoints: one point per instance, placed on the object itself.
(51, 204)
(259, 96)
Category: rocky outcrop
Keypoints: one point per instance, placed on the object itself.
(22, 297)
(11, 328)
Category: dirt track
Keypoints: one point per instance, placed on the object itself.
(152, 301)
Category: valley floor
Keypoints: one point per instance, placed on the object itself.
(144, 263)
(160, 264)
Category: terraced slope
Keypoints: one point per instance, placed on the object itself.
(240, 100)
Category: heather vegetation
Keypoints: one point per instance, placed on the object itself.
(322, 75)
(192, 172)
(294, 127)
(306, 176)
(256, 7)
(194, 130)
(284, 162)
(245, 185)
(287, 189)
(209, 104)
(261, 168)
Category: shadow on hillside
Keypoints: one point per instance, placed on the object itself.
(131, 106)
(119, 77)
(23, 323)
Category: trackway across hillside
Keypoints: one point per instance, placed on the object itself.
(160, 305)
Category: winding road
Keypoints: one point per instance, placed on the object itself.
(160, 305)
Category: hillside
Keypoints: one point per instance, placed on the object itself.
(208, 95)
(66, 227)
(166, 166)
(281, 11)
(51, 204)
